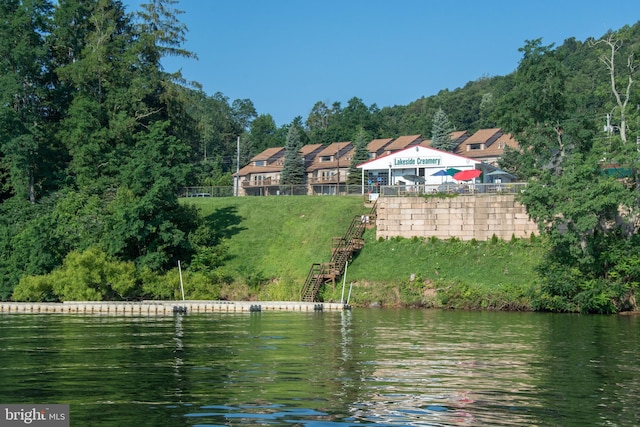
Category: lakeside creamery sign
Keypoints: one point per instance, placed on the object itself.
(416, 161)
(426, 164)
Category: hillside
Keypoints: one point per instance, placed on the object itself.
(278, 237)
(272, 242)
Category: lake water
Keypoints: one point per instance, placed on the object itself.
(361, 367)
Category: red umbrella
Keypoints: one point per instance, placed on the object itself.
(467, 175)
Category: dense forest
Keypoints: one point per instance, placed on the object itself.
(96, 139)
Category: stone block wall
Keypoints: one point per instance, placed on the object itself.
(465, 217)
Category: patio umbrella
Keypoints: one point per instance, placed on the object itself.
(441, 173)
(467, 175)
(499, 172)
(452, 171)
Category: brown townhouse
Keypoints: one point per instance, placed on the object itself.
(327, 167)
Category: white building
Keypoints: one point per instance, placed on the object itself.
(414, 166)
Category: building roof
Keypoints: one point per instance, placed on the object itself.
(251, 169)
(487, 144)
(492, 140)
(457, 137)
(378, 144)
(457, 134)
(382, 162)
(335, 152)
(268, 154)
(484, 136)
(403, 142)
(309, 149)
(496, 149)
(333, 148)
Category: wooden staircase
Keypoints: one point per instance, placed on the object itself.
(342, 250)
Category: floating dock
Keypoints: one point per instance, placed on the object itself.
(165, 307)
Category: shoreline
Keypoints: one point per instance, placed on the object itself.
(164, 307)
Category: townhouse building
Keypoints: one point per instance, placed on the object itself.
(327, 167)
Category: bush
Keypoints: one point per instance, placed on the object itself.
(469, 297)
(35, 288)
(284, 289)
(84, 276)
(197, 285)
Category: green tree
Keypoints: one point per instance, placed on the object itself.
(293, 172)
(487, 105)
(586, 212)
(147, 223)
(121, 139)
(318, 121)
(27, 246)
(84, 276)
(360, 155)
(302, 134)
(535, 110)
(24, 93)
(620, 85)
(243, 113)
(263, 133)
(441, 131)
(159, 22)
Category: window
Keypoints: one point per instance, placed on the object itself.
(260, 163)
(475, 147)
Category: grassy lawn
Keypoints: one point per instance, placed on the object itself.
(279, 236)
(483, 264)
(276, 239)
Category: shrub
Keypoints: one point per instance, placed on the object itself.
(91, 275)
(35, 288)
(197, 285)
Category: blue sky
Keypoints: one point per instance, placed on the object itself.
(286, 55)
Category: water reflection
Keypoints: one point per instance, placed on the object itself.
(439, 371)
(365, 367)
(178, 362)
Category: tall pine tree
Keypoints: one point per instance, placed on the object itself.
(441, 131)
(24, 92)
(293, 172)
(360, 155)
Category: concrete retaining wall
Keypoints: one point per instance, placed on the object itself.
(165, 307)
(465, 217)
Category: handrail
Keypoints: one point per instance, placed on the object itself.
(342, 249)
(308, 290)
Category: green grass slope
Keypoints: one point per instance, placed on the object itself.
(492, 274)
(274, 240)
(281, 236)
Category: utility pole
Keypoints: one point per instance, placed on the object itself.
(237, 166)
(338, 171)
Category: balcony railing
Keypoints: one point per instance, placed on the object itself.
(260, 182)
(325, 180)
(273, 181)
